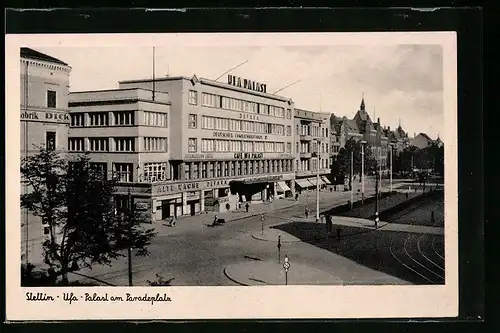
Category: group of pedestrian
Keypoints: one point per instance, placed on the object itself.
(328, 220)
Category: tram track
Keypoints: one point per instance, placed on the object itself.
(422, 265)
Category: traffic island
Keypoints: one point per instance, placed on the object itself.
(272, 235)
(272, 273)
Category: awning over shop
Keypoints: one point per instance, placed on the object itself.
(326, 180)
(283, 186)
(313, 181)
(304, 183)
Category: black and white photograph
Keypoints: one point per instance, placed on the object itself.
(242, 164)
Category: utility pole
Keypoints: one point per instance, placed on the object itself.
(154, 79)
(376, 190)
(317, 182)
(129, 250)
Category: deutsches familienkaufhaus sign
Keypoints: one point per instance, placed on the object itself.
(239, 136)
(44, 116)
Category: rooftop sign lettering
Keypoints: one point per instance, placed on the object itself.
(245, 83)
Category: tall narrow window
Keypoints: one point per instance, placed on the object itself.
(50, 140)
(192, 145)
(193, 97)
(124, 118)
(76, 144)
(98, 119)
(51, 99)
(193, 121)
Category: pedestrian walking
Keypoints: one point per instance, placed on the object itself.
(172, 221)
(247, 206)
(406, 195)
(306, 212)
(215, 220)
(296, 196)
(335, 188)
(339, 236)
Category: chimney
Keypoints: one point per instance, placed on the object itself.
(378, 120)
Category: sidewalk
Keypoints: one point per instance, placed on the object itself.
(262, 273)
(198, 222)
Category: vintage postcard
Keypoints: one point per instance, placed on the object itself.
(209, 176)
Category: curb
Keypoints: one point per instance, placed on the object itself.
(235, 281)
(288, 242)
(256, 214)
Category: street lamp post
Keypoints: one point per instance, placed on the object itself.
(317, 179)
(286, 266)
(363, 171)
(390, 157)
(352, 174)
(129, 248)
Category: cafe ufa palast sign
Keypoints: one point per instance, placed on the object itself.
(245, 83)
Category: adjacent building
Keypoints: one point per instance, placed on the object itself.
(44, 123)
(421, 141)
(360, 128)
(312, 147)
(216, 146)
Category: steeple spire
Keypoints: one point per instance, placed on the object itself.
(399, 122)
(362, 106)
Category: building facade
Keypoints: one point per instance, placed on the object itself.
(312, 144)
(421, 141)
(360, 128)
(44, 123)
(223, 144)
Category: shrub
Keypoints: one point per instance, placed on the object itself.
(160, 281)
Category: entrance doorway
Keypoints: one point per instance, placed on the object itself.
(192, 206)
(165, 209)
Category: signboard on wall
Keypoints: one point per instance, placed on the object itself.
(236, 156)
(213, 184)
(44, 116)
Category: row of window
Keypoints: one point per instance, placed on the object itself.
(161, 171)
(312, 130)
(120, 118)
(120, 144)
(310, 164)
(235, 104)
(305, 147)
(235, 168)
(221, 146)
(226, 124)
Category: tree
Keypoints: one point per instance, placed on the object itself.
(344, 159)
(76, 202)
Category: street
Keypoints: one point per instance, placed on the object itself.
(199, 256)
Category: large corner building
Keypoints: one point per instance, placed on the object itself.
(193, 145)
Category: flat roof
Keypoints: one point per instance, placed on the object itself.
(211, 83)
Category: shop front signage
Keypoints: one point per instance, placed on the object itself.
(53, 117)
(245, 83)
(247, 156)
(239, 136)
(263, 179)
(198, 156)
(190, 186)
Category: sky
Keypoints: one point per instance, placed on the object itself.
(400, 83)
